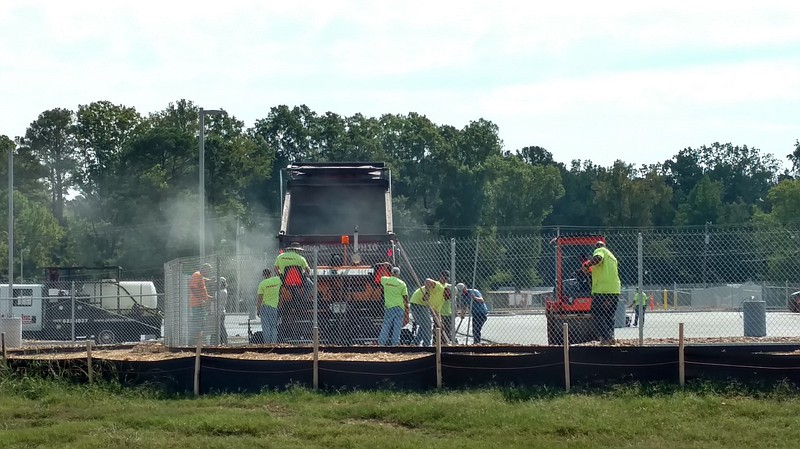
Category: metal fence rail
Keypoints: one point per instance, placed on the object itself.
(712, 279)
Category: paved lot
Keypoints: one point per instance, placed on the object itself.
(531, 329)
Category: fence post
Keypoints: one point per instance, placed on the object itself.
(453, 294)
(681, 358)
(640, 279)
(315, 322)
(216, 336)
(567, 381)
(3, 343)
(197, 363)
(474, 280)
(72, 310)
(439, 357)
(89, 364)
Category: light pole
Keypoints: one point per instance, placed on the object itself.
(202, 189)
(5, 306)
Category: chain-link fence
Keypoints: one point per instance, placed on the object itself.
(76, 304)
(722, 283)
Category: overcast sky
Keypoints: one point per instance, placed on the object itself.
(635, 80)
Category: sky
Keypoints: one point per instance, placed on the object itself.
(630, 80)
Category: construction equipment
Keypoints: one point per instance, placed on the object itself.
(572, 295)
(78, 303)
(345, 211)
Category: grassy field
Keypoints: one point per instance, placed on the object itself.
(47, 413)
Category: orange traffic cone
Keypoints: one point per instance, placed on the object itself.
(652, 302)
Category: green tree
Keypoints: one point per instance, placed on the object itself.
(625, 196)
(28, 171)
(703, 204)
(36, 231)
(103, 132)
(576, 207)
(518, 194)
(51, 139)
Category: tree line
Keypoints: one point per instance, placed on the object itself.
(105, 184)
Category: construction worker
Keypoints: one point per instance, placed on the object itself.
(471, 299)
(639, 302)
(269, 291)
(395, 302)
(438, 295)
(199, 300)
(605, 291)
(291, 267)
(421, 312)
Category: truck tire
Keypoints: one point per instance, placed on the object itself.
(106, 337)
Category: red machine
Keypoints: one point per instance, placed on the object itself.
(572, 296)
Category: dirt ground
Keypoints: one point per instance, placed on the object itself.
(157, 351)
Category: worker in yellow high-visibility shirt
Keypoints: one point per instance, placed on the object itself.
(639, 303)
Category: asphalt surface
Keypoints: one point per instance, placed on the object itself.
(531, 329)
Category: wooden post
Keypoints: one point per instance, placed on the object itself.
(197, 364)
(438, 357)
(681, 359)
(315, 338)
(566, 357)
(89, 365)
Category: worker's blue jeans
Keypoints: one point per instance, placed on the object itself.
(269, 323)
(392, 324)
(422, 316)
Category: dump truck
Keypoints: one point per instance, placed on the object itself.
(79, 303)
(572, 295)
(345, 211)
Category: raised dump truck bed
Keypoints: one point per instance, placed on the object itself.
(345, 210)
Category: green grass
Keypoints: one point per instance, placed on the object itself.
(51, 413)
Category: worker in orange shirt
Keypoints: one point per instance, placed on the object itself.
(199, 300)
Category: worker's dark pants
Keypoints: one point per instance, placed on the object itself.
(292, 313)
(478, 321)
(639, 310)
(604, 306)
(422, 316)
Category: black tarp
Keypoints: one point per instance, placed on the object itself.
(172, 375)
(544, 366)
(746, 363)
(415, 374)
(462, 367)
(223, 374)
(611, 364)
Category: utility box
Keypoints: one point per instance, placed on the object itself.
(12, 327)
(755, 318)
